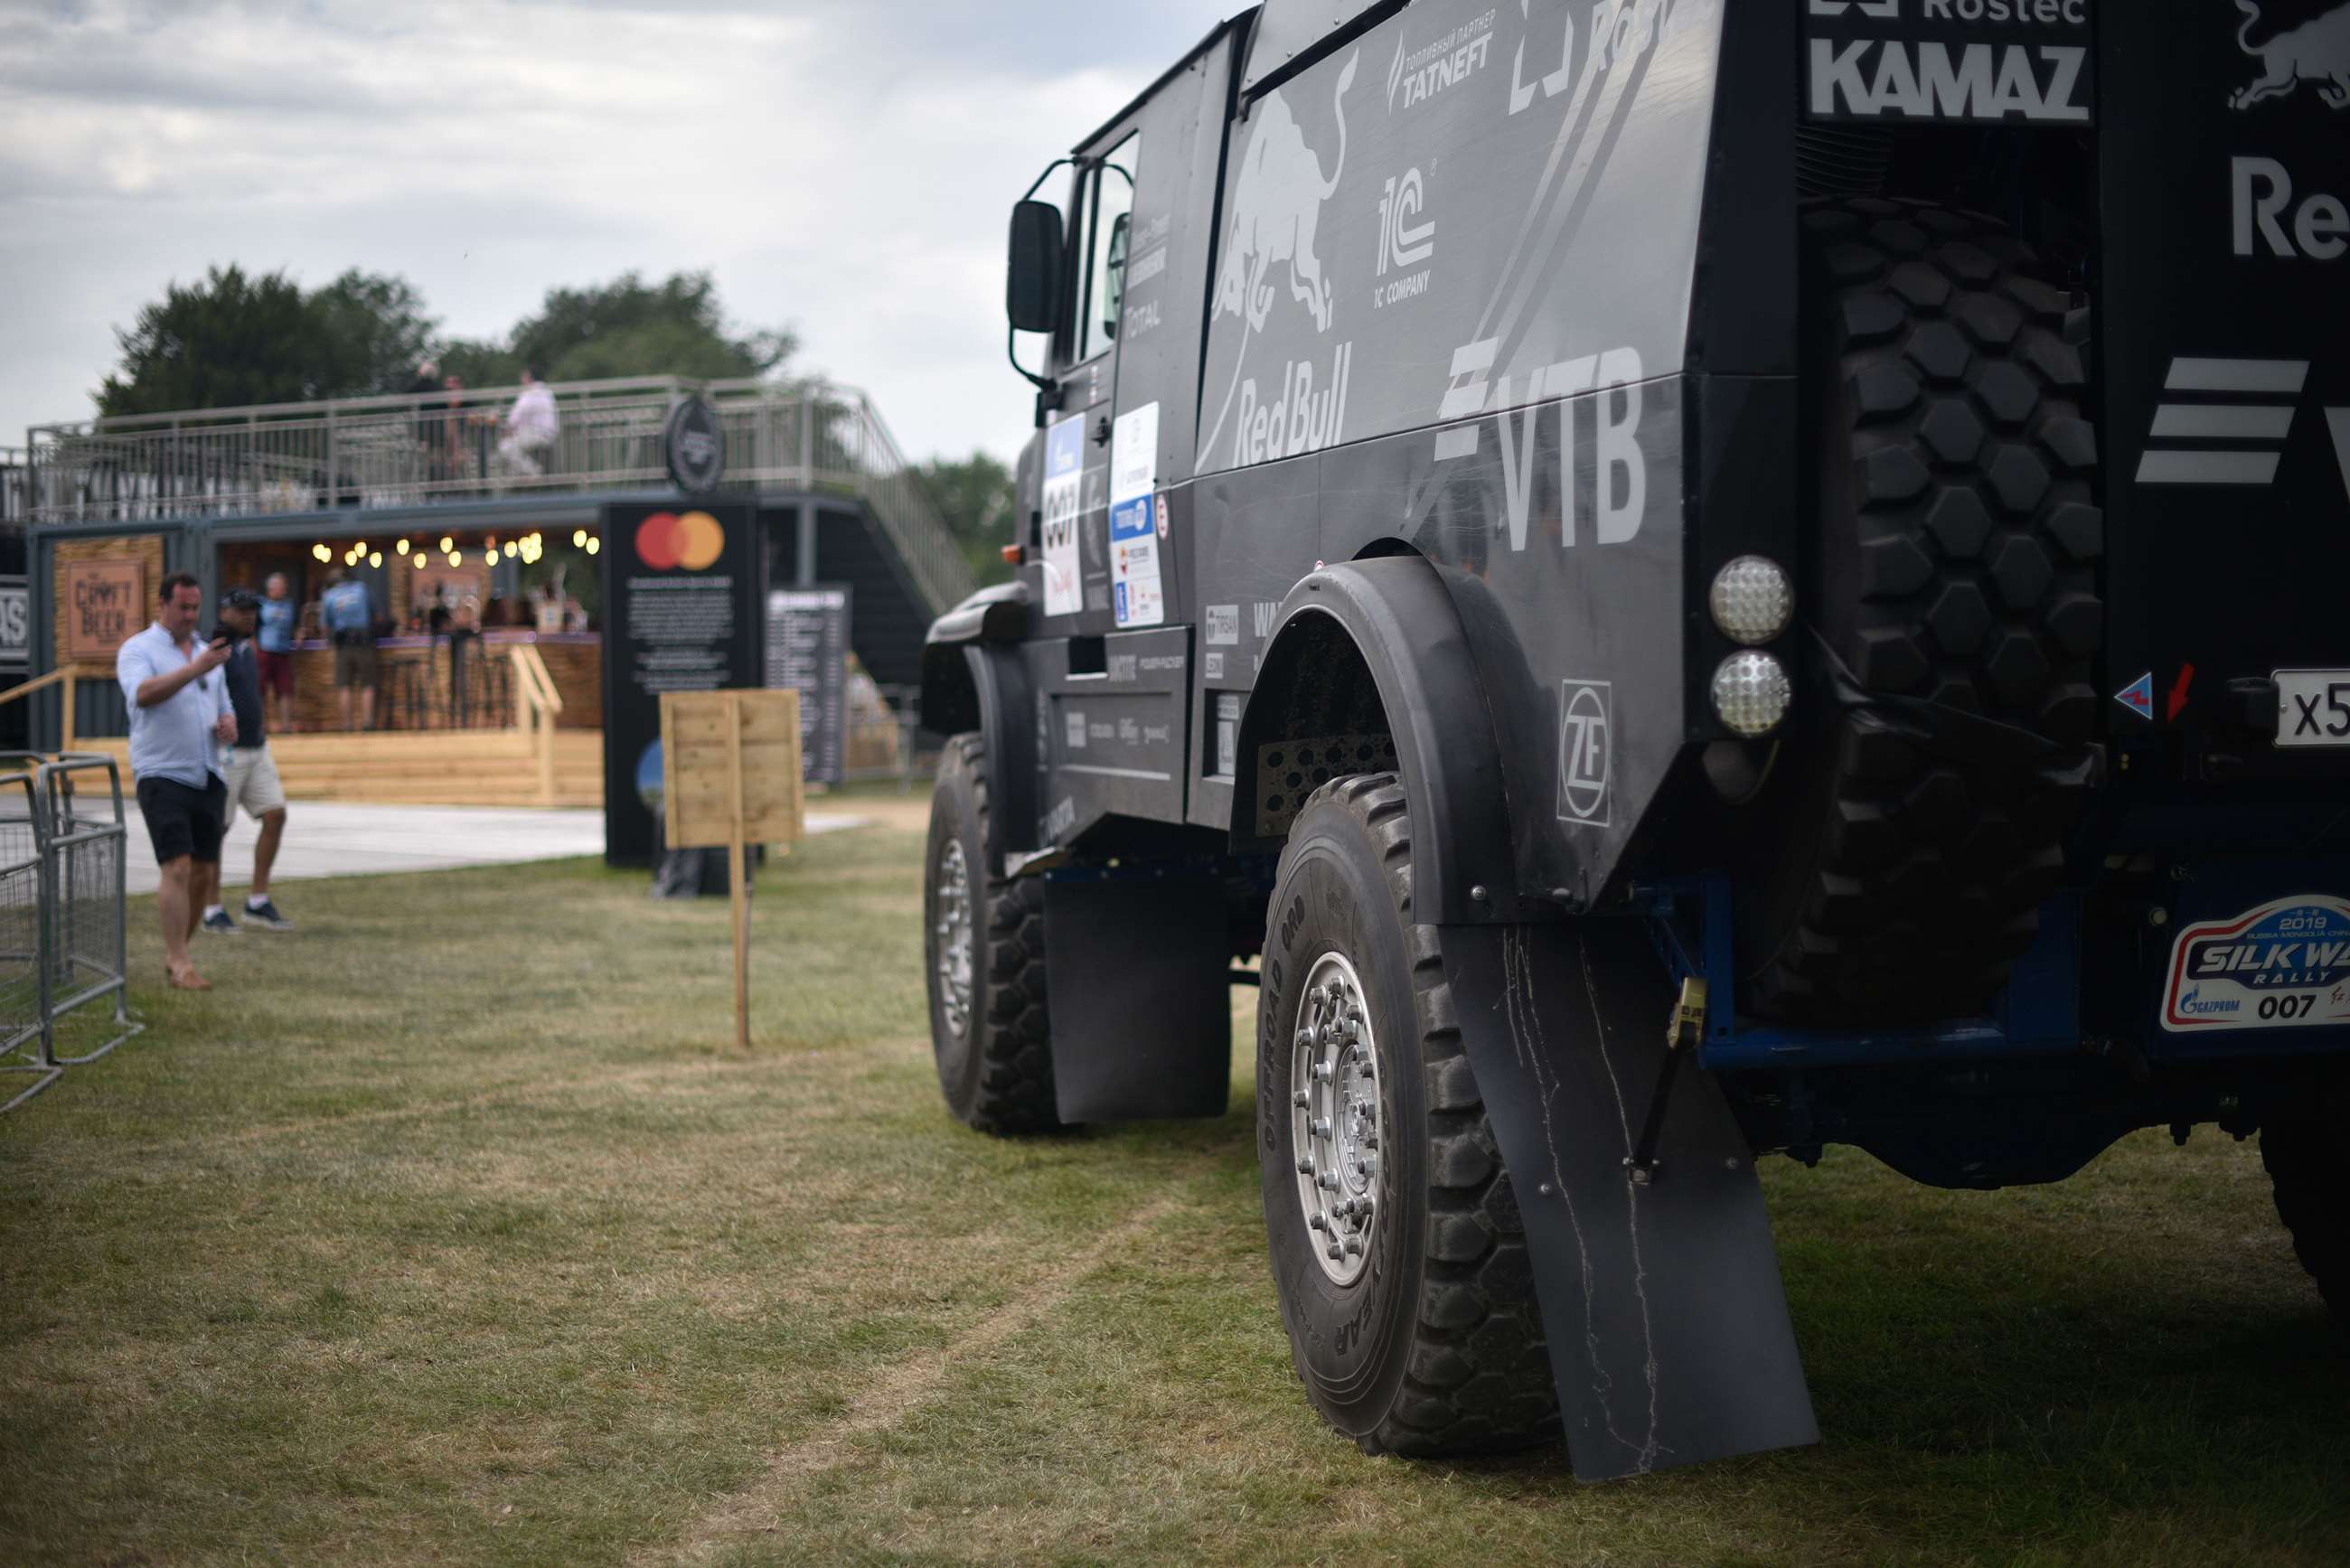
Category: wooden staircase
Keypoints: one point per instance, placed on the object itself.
(433, 767)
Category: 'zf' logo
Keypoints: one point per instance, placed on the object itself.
(1584, 746)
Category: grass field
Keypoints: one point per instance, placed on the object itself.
(448, 1228)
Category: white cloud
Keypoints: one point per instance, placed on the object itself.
(843, 168)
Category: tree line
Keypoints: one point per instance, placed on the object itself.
(233, 339)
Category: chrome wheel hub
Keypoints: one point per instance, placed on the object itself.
(951, 938)
(1333, 1117)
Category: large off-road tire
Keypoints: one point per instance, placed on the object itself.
(1953, 560)
(983, 947)
(2304, 1155)
(1422, 1336)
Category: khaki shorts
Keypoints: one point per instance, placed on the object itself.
(252, 783)
(355, 664)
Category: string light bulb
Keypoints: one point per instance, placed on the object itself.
(319, 551)
(579, 538)
(401, 548)
(375, 557)
(456, 558)
(447, 544)
(594, 544)
(419, 560)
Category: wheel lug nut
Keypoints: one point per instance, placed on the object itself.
(1304, 1167)
(1336, 1251)
(1321, 1127)
(1329, 1180)
(1322, 1071)
(1298, 1099)
(1316, 1222)
(1354, 1246)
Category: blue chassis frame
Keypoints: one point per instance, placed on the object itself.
(2037, 1014)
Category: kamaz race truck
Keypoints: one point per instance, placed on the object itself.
(1694, 579)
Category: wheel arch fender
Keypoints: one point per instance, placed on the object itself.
(1380, 640)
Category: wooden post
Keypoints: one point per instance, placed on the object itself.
(734, 889)
(730, 778)
(65, 734)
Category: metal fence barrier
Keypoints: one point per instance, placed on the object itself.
(64, 932)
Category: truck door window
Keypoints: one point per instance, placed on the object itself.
(1112, 199)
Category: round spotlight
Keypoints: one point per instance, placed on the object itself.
(1751, 599)
(1751, 691)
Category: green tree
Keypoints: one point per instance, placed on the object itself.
(978, 500)
(226, 340)
(630, 328)
(235, 338)
(372, 332)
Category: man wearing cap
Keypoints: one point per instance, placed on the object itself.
(251, 774)
(179, 708)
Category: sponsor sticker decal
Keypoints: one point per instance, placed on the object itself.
(2317, 51)
(1585, 747)
(2286, 965)
(1976, 60)
(1063, 504)
(1134, 592)
(1223, 624)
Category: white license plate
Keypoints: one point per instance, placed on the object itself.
(2313, 707)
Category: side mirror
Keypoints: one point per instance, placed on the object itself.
(1031, 287)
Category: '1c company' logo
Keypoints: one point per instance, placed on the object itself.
(1584, 750)
(669, 541)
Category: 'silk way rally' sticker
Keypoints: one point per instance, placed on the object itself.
(2282, 965)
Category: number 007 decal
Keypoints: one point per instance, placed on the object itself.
(2283, 965)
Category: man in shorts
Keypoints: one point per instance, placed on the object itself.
(275, 642)
(252, 772)
(178, 711)
(349, 611)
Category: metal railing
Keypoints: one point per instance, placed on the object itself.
(451, 446)
(15, 486)
(64, 930)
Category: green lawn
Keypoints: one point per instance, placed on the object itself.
(450, 1229)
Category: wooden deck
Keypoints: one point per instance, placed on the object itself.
(436, 767)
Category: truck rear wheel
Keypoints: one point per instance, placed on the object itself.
(1953, 564)
(2312, 1194)
(983, 947)
(1398, 1252)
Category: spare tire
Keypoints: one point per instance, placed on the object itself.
(1953, 563)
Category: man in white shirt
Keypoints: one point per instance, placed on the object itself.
(180, 711)
(531, 427)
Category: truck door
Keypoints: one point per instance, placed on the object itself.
(1075, 499)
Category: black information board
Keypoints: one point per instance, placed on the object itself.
(681, 603)
(808, 648)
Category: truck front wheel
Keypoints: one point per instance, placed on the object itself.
(1397, 1251)
(2304, 1155)
(983, 951)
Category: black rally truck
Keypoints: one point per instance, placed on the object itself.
(1697, 578)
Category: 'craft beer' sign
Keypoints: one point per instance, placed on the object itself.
(105, 602)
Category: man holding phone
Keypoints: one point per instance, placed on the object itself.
(180, 711)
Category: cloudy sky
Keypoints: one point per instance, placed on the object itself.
(844, 168)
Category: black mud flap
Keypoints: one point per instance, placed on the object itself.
(1140, 971)
(1667, 1327)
